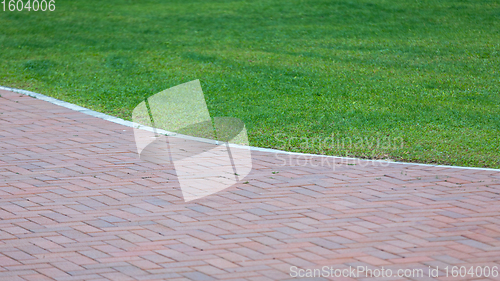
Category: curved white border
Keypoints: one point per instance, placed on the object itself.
(135, 125)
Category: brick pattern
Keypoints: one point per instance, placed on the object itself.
(76, 203)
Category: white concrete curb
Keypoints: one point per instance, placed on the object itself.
(270, 150)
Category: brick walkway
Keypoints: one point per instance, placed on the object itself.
(76, 203)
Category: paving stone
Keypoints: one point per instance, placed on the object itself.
(77, 203)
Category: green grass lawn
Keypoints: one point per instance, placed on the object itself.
(422, 77)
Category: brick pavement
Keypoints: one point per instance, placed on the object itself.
(76, 203)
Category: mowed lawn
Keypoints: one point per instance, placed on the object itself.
(405, 80)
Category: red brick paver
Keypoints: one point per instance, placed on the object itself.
(76, 203)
